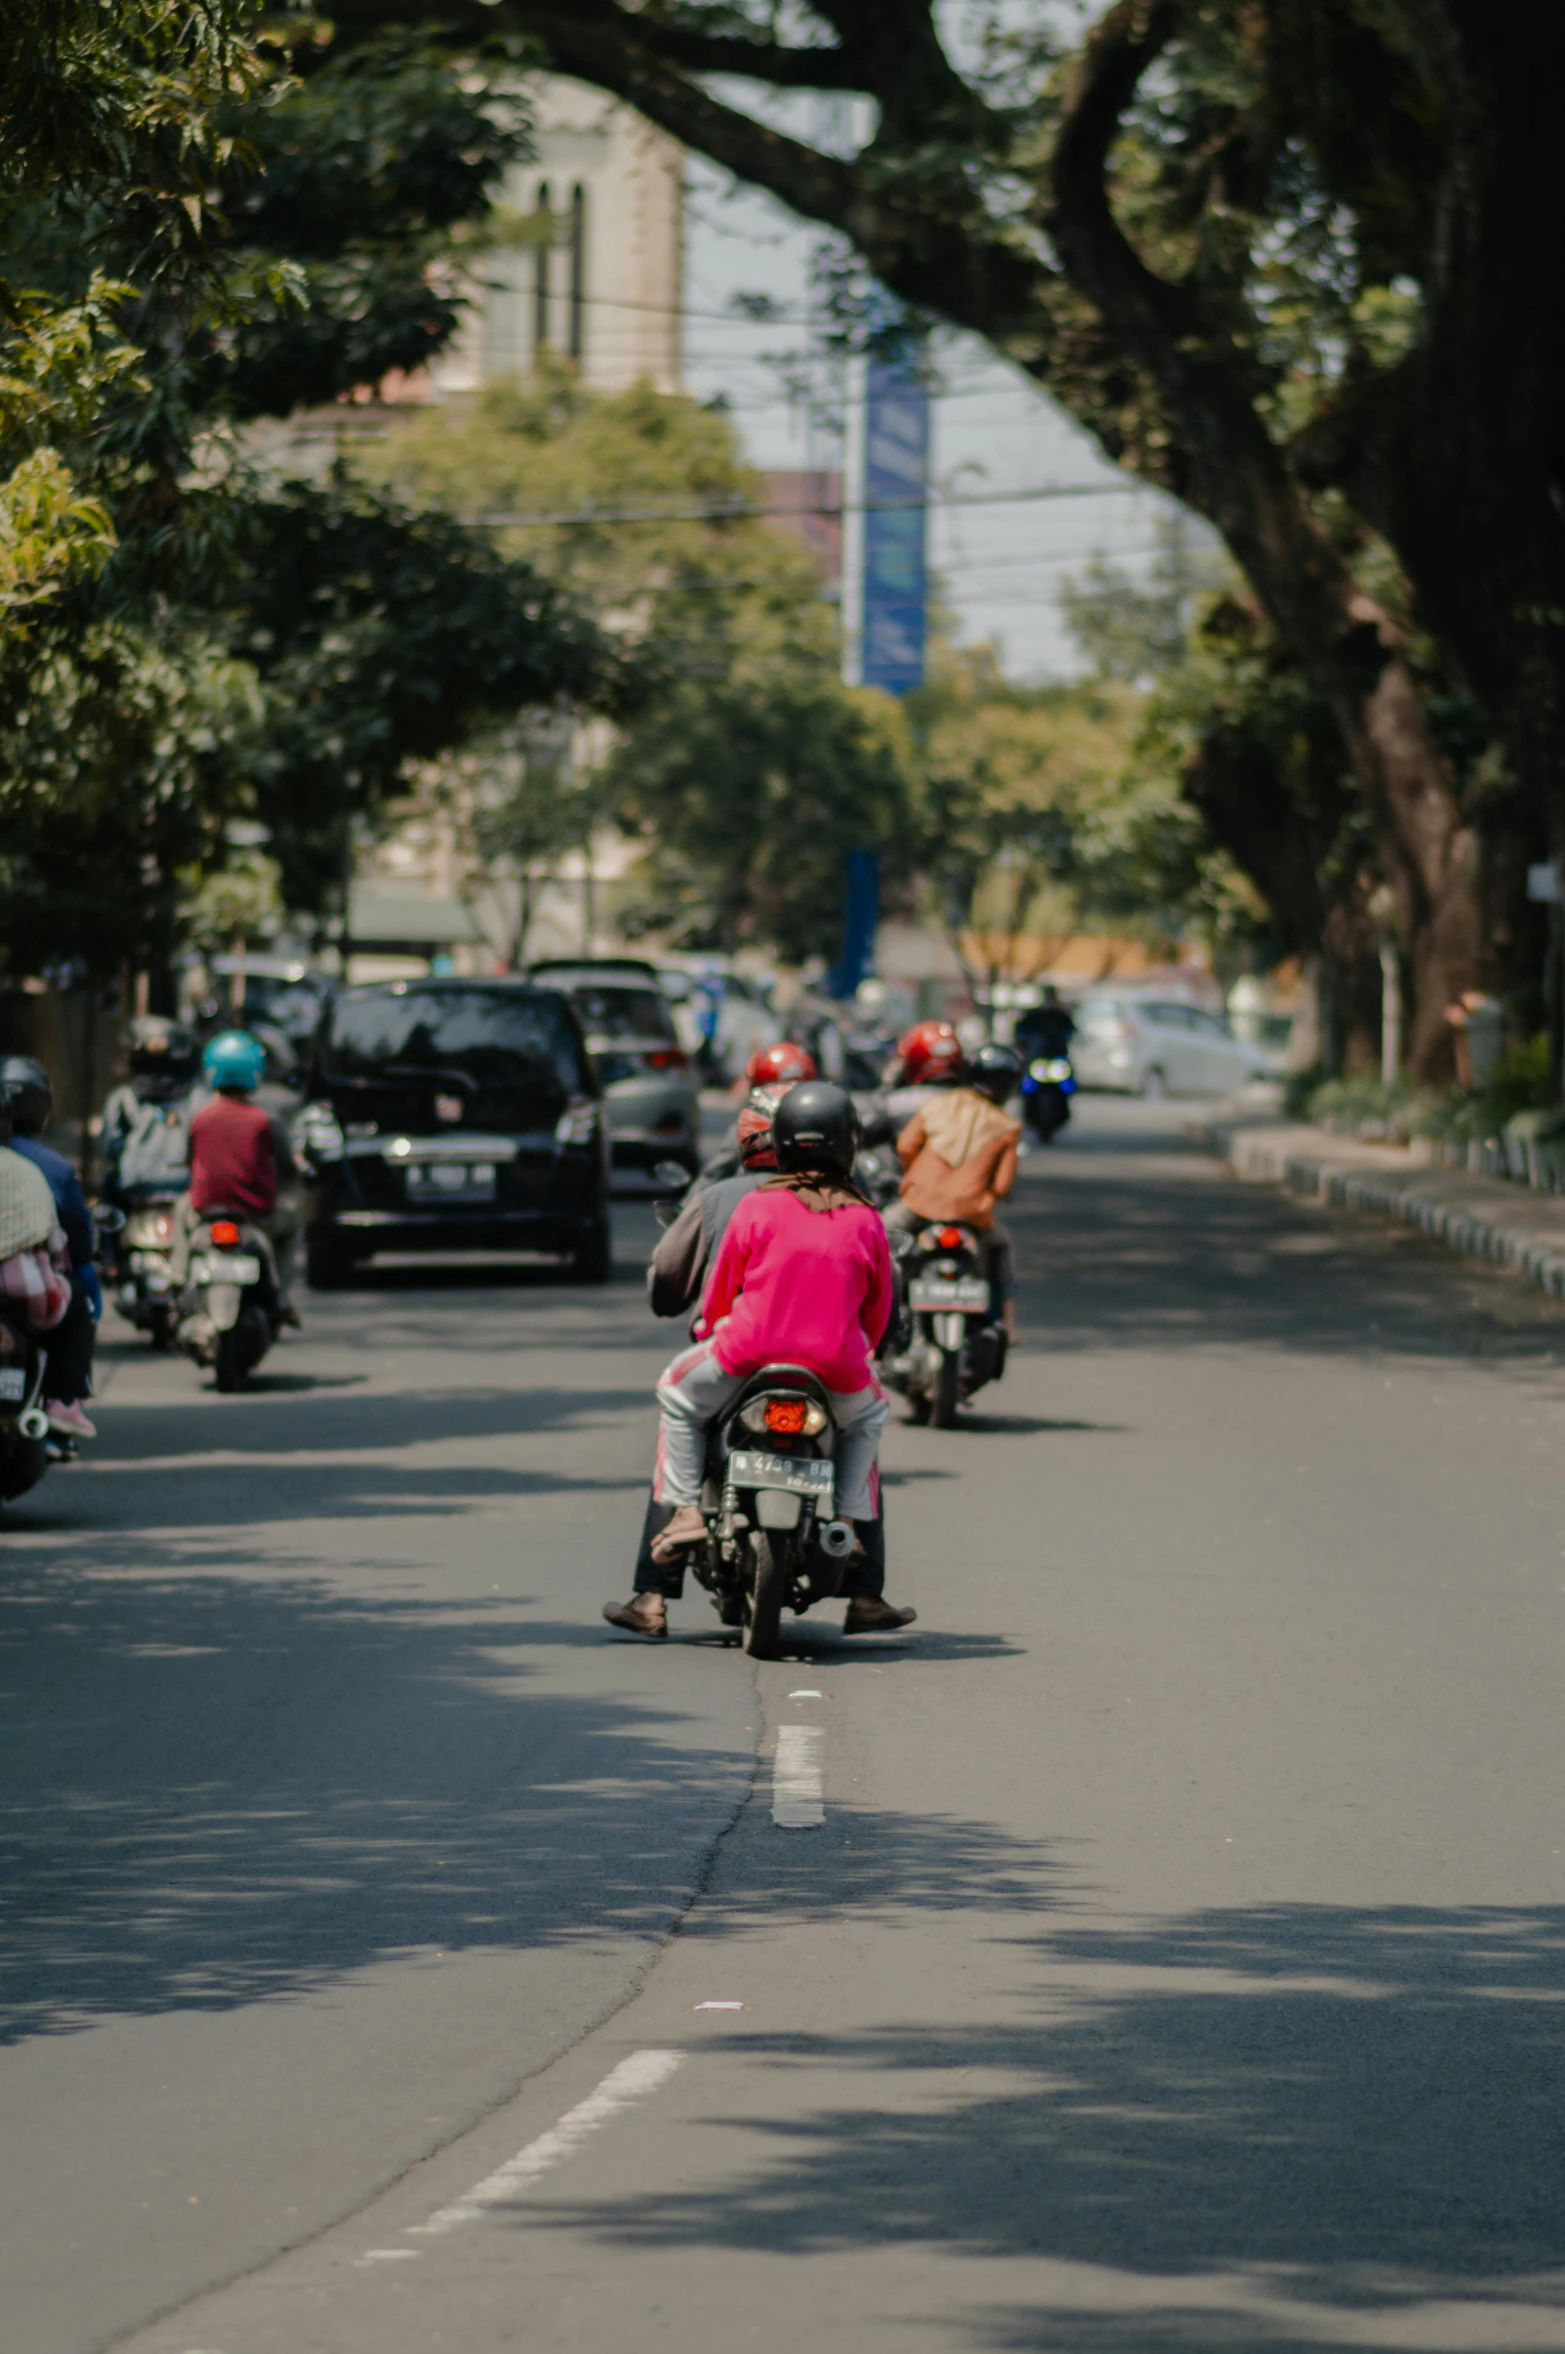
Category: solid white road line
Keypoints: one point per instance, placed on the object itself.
(798, 1778)
(631, 2081)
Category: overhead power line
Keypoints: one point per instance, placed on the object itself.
(742, 511)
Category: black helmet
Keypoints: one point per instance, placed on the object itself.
(31, 1093)
(816, 1127)
(164, 1053)
(996, 1072)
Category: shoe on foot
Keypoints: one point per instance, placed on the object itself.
(643, 1614)
(291, 1317)
(686, 1528)
(869, 1615)
(69, 1420)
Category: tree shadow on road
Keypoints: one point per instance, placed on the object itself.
(1294, 2126)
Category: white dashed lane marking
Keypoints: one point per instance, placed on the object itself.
(798, 1778)
(631, 2081)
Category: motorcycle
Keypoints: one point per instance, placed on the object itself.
(1047, 1087)
(945, 1341)
(229, 1312)
(145, 1290)
(24, 1426)
(773, 1538)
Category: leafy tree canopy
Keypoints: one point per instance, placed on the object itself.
(200, 235)
(751, 771)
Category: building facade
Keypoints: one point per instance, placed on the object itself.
(594, 273)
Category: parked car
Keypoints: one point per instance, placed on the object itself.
(453, 1115)
(1159, 1046)
(651, 1090)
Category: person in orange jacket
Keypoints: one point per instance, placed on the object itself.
(958, 1155)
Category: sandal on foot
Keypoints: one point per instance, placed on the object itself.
(643, 1614)
(686, 1528)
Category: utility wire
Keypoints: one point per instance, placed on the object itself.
(736, 511)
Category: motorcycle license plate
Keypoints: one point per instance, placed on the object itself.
(233, 1267)
(13, 1383)
(451, 1181)
(963, 1292)
(749, 1467)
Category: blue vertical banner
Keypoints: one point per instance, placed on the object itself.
(896, 490)
(860, 923)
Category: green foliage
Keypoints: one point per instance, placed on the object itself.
(750, 772)
(380, 638)
(120, 754)
(206, 236)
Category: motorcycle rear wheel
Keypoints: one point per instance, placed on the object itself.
(228, 1364)
(768, 1591)
(948, 1391)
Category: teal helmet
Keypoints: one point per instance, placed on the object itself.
(234, 1059)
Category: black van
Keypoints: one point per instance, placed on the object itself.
(453, 1115)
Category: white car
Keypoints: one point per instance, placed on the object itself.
(1159, 1046)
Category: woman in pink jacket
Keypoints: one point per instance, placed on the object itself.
(803, 1278)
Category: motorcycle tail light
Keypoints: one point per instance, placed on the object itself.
(225, 1234)
(668, 1058)
(785, 1417)
(951, 1238)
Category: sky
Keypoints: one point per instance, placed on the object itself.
(998, 564)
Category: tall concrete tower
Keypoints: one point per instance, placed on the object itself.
(602, 284)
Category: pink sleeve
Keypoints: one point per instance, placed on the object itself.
(726, 1280)
(875, 1314)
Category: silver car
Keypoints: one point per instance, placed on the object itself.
(1159, 1046)
(651, 1093)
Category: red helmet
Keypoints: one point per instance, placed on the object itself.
(756, 1149)
(782, 1064)
(931, 1050)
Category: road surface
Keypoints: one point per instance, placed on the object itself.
(1180, 1960)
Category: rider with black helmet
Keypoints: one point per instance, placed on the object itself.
(145, 1135)
(803, 1278)
(958, 1155)
(30, 1092)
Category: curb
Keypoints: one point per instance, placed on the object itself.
(1479, 1217)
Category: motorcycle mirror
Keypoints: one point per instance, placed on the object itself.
(666, 1212)
(107, 1219)
(671, 1173)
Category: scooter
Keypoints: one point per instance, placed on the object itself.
(229, 1312)
(145, 1290)
(24, 1426)
(1047, 1087)
(769, 1501)
(946, 1342)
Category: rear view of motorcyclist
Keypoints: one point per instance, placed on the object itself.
(928, 1059)
(31, 1094)
(144, 1138)
(683, 1258)
(958, 1155)
(769, 1070)
(1045, 1029)
(803, 1278)
(240, 1154)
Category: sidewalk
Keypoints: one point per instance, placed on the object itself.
(1482, 1217)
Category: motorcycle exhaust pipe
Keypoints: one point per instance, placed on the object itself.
(837, 1539)
(33, 1423)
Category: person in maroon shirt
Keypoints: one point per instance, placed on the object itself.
(240, 1154)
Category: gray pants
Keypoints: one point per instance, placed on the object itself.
(694, 1390)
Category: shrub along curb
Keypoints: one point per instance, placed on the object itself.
(1482, 1217)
